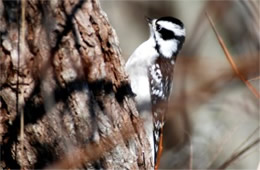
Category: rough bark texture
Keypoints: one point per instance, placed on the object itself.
(66, 77)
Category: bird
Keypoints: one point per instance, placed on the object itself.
(150, 71)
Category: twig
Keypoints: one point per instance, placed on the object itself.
(232, 63)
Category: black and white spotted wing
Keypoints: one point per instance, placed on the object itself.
(160, 77)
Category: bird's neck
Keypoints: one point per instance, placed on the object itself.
(166, 48)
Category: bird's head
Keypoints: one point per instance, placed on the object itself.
(168, 34)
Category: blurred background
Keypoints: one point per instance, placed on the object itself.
(213, 117)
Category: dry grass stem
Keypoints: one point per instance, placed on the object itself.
(246, 140)
(253, 79)
(227, 138)
(235, 156)
(231, 61)
(246, 155)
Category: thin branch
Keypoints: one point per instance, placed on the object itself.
(231, 61)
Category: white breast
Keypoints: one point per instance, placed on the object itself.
(137, 67)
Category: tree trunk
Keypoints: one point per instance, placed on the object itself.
(65, 101)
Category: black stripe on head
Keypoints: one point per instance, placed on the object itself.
(181, 40)
(171, 19)
(168, 34)
(165, 34)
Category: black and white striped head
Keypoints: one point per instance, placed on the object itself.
(169, 35)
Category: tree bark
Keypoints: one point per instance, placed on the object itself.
(65, 101)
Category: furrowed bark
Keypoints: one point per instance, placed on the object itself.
(66, 77)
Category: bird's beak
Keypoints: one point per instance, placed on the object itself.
(149, 20)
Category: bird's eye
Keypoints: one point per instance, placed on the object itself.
(166, 34)
(158, 27)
